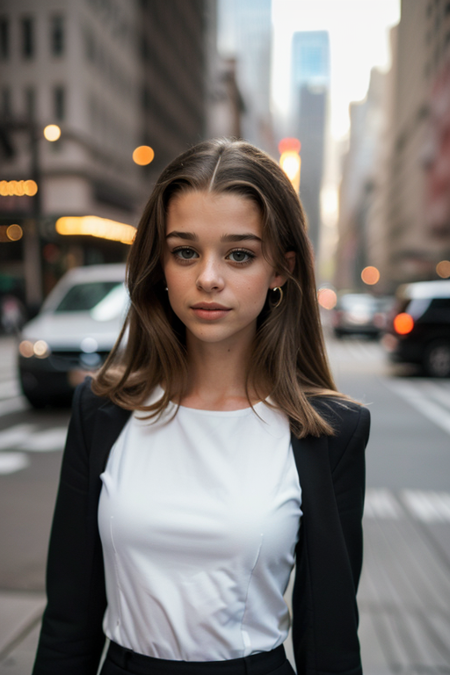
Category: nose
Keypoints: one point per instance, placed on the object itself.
(210, 276)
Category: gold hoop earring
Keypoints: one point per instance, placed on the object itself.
(280, 299)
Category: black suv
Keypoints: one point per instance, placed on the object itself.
(419, 329)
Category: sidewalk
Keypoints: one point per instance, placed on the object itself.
(20, 620)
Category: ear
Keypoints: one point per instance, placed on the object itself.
(280, 279)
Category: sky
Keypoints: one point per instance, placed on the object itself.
(359, 40)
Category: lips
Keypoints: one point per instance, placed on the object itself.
(210, 306)
(209, 311)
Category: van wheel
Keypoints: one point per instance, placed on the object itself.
(437, 359)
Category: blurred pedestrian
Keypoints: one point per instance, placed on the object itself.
(212, 451)
(12, 314)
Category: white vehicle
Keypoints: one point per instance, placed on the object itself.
(73, 333)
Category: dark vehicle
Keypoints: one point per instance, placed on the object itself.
(360, 314)
(72, 334)
(419, 330)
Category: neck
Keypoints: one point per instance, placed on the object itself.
(217, 375)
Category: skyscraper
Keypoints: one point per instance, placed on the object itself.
(309, 96)
(245, 33)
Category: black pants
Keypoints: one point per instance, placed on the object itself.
(120, 661)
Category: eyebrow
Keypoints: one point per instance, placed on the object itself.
(190, 236)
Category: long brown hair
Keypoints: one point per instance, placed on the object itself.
(289, 359)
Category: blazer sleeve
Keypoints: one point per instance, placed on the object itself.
(349, 480)
(329, 551)
(71, 639)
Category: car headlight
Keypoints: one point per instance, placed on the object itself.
(38, 348)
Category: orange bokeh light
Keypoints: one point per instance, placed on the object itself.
(443, 269)
(327, 298)
(143, 155)
(403, 323)
(370, 275)
(289, 145)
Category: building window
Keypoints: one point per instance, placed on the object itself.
(6, 109)
(57, 35)
(59, 103)
(4, 38)
(27, 38)
(30, 103)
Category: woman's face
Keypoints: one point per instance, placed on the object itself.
(216, 274)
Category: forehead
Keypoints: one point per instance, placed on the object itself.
(227, 210)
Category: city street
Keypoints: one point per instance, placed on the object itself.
(404, 596)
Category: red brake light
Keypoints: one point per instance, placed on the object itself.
(403, 323)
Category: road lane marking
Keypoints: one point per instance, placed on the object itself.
(10, 462)
(381, 503)
(429, 507)
(14, 435)
(416, 398)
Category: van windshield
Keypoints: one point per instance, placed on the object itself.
(86, 296)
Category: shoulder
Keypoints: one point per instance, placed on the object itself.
(86, 404)
(350, 421)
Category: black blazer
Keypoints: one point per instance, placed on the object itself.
(328, 556)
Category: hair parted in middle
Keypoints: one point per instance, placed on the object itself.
(288, 360)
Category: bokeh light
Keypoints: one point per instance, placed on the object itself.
(52, 132)
(290, 163)
(370, 275)
(403, 323)
(327, 298)
(41, 349)
(26, 349)
(18, 188)
(30, 188)
(14, 232)
(443, 269)
(96, 227)
(143, 155)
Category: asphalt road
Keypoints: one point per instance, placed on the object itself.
(404, 595)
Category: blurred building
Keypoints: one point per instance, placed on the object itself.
(356, 196)
(405, 231)
(173, 37)
(310, 75)
(112, 75)
(245, 35)
(224, 102)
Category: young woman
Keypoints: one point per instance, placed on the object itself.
(212, 451)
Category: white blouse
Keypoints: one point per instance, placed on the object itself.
(199, 518)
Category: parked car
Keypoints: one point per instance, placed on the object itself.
(360, 314)
(419, 330)
(73, 333)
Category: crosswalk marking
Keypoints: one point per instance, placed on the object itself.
(430, 507)
(12, 405)
(417, 395)
(381, 504)
(9, 389)
(10, 462)
(45, 441)
(15, 435)
(28, 437)
(427, 506)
